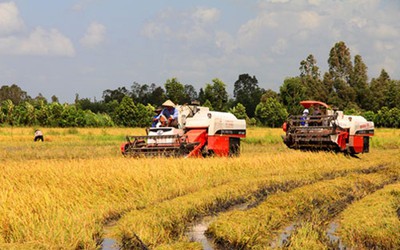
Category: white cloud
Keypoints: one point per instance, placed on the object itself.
(94, 35)
(384, 31)
(390, 64)
(10, 21)
(383, 46)
(278, 1)
(152, 29)
(42, 42)
(275, 33)
(254, 29)
(314, 2)
(39, 42)
(80, 5)
(280, 46)
(225, 41)
(192, 27)
(309, 19)
(206, 15)
(358, 22)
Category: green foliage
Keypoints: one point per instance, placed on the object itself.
(389, 118)
(271, 113)
(251, 121)
(359, 82)
(352, 109)
(144, 115)
(125, 113)
(175, 91)
(208, 104)
(369, 115)
(13, 93)
(340, 66)
(130, 115)
(115, 95)
(248, 93)
(217, 95)
(291, 93)
(239, 111)
(380, 91)
(310, 79)
(269, 93)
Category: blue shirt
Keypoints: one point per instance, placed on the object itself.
(304, 119)
(154, 123)
(167, 113)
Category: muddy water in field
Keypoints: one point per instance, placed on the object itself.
(335, 240)
(108, 242)
(196, 232)
(284, 237)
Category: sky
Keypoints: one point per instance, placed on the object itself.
(84, 47)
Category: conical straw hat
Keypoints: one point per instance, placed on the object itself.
(168, 103)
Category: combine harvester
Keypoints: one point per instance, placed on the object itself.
(328, 130)
(201, 133)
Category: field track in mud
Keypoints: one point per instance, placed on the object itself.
(61, 193)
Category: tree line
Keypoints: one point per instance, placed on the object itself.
(345, 85)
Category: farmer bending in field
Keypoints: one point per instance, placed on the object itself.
(38, 135)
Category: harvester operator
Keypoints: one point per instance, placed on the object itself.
(304, 118)
(169, 115)
(316, 118)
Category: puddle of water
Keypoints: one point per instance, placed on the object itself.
(283, 237)
(108, 242)
(197, 233)
(330, 232)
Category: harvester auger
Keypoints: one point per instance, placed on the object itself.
(327, 129)
(201, 133)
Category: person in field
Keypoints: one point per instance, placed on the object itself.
(169, 115)
(316, 117)
(156, 118)
(38, 135)
(304, 118)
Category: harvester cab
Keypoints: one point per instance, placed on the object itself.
(200, 133)
(327, 129)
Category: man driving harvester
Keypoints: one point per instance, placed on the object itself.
(169, 115)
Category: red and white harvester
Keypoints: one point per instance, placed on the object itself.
(200, 133)
(327, 130)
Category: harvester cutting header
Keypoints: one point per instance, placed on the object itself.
(196, 132)
(327, 129)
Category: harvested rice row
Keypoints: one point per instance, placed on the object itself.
(166, 222)
(257, 227)
(321, 230)
(373, 222)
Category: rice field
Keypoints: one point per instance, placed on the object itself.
(75, 191)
